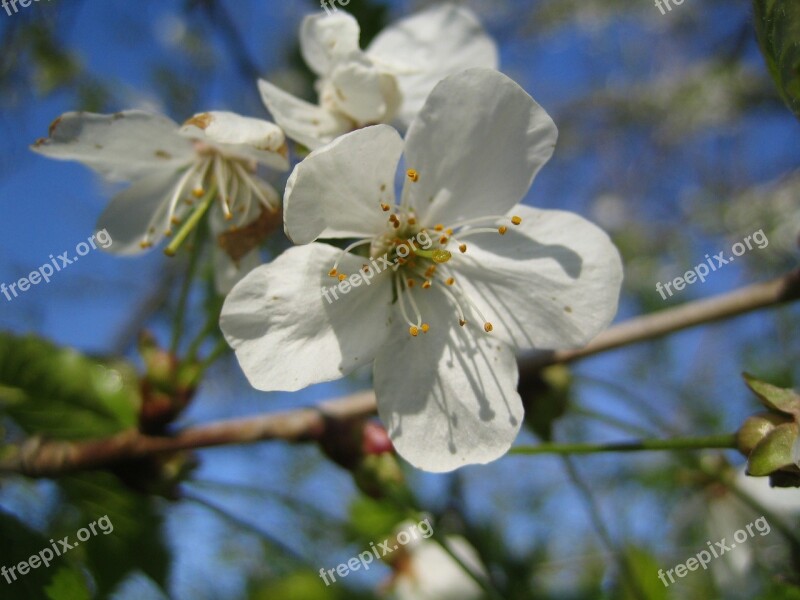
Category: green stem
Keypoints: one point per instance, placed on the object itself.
(192, 221)
(712, 441)
(183, 299)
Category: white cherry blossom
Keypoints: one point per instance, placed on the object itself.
(173, 172)
(442, 325)
(388, 82)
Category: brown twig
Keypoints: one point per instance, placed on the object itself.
(50, 458)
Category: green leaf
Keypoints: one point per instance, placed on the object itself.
(773, 452)
(306, 585)
(782, 400)
(63, 394)
(19, 543)
(134, 543)
(644, 569)
(68, 585)
(778, 29)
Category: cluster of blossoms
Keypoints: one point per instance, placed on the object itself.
(442, 325)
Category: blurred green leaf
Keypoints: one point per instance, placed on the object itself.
(778, 29)
(68, 585)
(19, 543)
(134, 543)
(306, 585)
(60, 393)
(644, 567)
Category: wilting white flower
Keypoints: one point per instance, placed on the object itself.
(427, 572)
(175, 171)
(442, 324)
(386, 83)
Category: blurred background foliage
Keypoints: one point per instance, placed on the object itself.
(675, 137)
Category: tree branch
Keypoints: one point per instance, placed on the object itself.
(50, 458)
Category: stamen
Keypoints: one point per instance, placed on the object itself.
(413, 175)
(425, 328)
(462, 248)
(487, 327)
(450, 281)
(342, 277)
(332, 273)
(502, 230)
(355, 244)
(385, 207)
(413, 330)
(437, 255)
(516, 220)
(250, 182)
(401, 301)
(219, 173)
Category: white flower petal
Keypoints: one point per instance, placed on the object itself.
(287, 336)
(139, 208)
(324, 39)
(337, 190)
(357, 89)
(552, 282)
(448, 397)
(227, 272)
(245, 137)
(308, 124)
(122, 146)
(429, 46)
(481, 138)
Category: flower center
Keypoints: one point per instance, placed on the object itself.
(230, 180)
(420, 258)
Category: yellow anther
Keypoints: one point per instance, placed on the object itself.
(333, 273)
(385, 207)
(175, 221)
(145, 245)
(228, 216)
(168, 233)
(396, 224)
(516, 220)
(444, 239)
(439, 227)
(198, 192)
(342, 276)
(413, 175)
(450, 281)
(425, 328)
(462, 322)
(365, 268)
(412, 221)
(393, 218)
(449, 231)
(463, 248)
(487, 327)
(414, 331)
(427, 284)
(430, 271)
(502, 229)
(410, 283)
